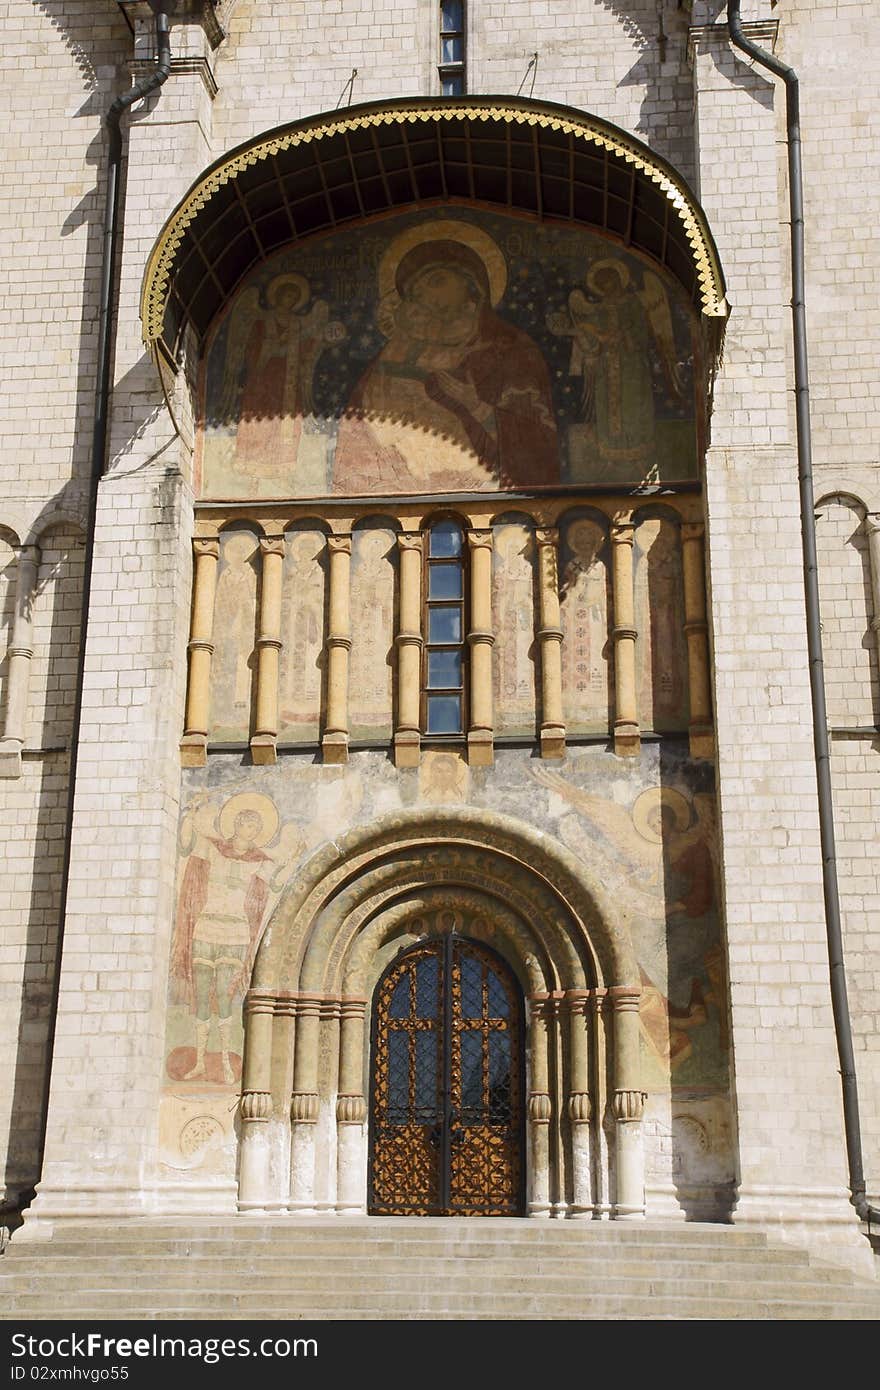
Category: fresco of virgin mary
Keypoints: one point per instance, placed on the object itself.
(458, 399)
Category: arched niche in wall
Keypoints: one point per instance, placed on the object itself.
(661, 645)
(233, 666)
(436, 297)
(514, 669)
(374, 604)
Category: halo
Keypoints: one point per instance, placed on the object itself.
(249, 801)
(607, 263)
(473, 237)
(650, 801)
(277, 281)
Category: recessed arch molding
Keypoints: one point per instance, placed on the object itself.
(540, 159)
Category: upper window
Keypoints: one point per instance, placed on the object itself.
(443, 673)
(452, 61)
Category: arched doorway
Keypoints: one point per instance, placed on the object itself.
(447, 1117)
(555, 941)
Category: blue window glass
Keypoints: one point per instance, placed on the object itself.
(444, 581)
(398, 1077)
(444, 670)
(499, 1005)
(427, 982)
(445, 542)
(471, 1074)
(451, 15)
(452, 84)
(399, 1006)
(444, 625)
(444, 714)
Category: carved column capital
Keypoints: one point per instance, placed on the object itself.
(625, 998)
(580, 1107)
(256, 1106)
(339, 545)
(304, 1107)
(480, 539)
(350, 1109)
(628, 1106)
(540, 1108)
(206, 545)
(411, 540)
(272, 545)
(692, 530)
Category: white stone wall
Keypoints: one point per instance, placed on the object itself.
(284, 59)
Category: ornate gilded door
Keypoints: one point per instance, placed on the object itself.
(446, 1110)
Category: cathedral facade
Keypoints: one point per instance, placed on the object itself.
(414, 795)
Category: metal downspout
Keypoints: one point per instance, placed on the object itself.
(107, 305)
(839, 1003)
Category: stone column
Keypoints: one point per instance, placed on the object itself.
(407, 733)
(626, 717)
(268, 650)
(194, 744)
(335, 741)
(702, 742)
(304, 1103)
(480, 641)
(351, 1108)
(628, 1104)
(872, 531)
(577, 1004)
(550, 638)
(254, 1186)
(540, 1107)
(21, 651)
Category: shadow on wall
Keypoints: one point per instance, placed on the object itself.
(35, 847)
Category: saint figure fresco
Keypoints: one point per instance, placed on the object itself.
(225, 888)
(613, 330)
(458, 399)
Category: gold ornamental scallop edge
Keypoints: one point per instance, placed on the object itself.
(161, 262)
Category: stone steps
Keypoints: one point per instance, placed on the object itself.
(318, 1269)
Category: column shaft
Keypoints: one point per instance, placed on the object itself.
(20, 655)
(335, 740)
(194, 744)
(540, 1106)
(256, 1106)
(872, 531)
(697, 632)
(480, 640)
(550, 638)
(269, 646)
(407, 733)
(626, 719)
(351, 1109)
(628, 1103)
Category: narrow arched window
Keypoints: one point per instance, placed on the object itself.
(452, 59)
(443, 677)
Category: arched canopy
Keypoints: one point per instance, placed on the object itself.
(330, 170)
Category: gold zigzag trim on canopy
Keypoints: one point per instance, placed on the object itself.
(161, 262)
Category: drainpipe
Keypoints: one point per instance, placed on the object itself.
(839, 1004)
(107, 303)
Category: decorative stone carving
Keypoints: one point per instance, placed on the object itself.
(580, 1109)
(351, 1110)
(540, 1109)
(304, 1107)
(628, 1105)
(256, 1105)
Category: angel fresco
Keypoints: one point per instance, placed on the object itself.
(273, 342)
(660, 853)
(613, 331)
(229, 877)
